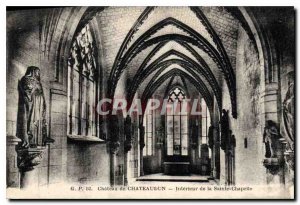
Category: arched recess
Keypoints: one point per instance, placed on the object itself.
(265, 45)
(75, 20)
(60, 51)
(198, 85)
(142, 75)
(196, 39)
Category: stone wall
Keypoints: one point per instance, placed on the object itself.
(247, 127)
(63, 160)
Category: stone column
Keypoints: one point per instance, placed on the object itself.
(114, 148)
(270, 103)
(217, 160)
(127, 145)
(12, 172)
(212, 162)
(127, 148)
(126, 168)
(142, 145)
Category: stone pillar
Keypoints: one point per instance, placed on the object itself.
(28, 159)
(127, 145)
(12, 172)
(127, 148)
(270, 102)
(212, 162)
(114, 148)
(126, 169)
(211, 143)
(217, 161)
(142, 145)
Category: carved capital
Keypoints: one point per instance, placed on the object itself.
(29, 158)
(127, 145)
(114, 147)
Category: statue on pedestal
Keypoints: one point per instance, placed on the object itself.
(289, 114)
(114, 136)
(128, 133)
(142, 135)
(211, 136)
(271, 138)
(224, 128)
(31, 120)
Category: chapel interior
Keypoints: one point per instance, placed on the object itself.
(238, 63)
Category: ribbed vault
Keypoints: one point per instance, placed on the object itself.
(162, 44)
(184, 75)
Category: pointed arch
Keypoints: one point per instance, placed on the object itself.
(187, 63)
(196, 39)
(200, 86)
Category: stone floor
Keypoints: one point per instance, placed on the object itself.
(160, 177)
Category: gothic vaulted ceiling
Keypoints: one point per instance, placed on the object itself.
(165, 43)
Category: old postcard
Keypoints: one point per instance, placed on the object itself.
(150, 102)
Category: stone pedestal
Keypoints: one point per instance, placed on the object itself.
(274, 168)
(114, 148)
(27, 160)
(127, 148)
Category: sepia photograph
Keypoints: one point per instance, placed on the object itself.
(150, 102)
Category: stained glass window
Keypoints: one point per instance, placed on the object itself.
(82, 85)
(177, 123)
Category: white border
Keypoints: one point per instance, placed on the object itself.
(5, 3)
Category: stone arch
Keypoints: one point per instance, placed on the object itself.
(198, 84)
(161, 65)
(196, 39)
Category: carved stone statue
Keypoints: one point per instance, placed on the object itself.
(142, 135)
(289, 114)
(194, 135)
(271, 138)
(128, 133)
(114, 133)
(31, 120)
(233, 141)
(211, 136)
(224, 128)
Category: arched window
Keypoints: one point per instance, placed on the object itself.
(177, 123)
(205, 123)
(82, 86)
(149, 123)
